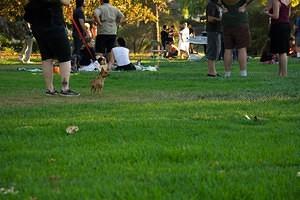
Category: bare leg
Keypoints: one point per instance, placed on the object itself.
(65, 70)
(227, 62)
(110, 62)
(242, 57)
(282, 65)
(48, 74)
(28, 50)
(211, 67)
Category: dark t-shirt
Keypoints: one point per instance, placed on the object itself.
(234, 18)
(78, 14)
(164, 36)
(171, 35)
(45, 14)
(213, 10)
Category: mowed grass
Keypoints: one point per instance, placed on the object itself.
(171, 134)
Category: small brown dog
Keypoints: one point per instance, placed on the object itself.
(98, 83)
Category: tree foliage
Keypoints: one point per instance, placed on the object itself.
(134, 11)
(144, 17)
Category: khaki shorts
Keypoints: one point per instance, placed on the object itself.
(237, 37)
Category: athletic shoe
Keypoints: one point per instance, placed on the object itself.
(69, 93)
(51, 93)
(214, 75)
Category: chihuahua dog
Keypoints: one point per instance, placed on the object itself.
(98, 83)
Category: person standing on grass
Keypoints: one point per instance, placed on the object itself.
(164, 38)
(183, 43)
(108, 18)
(236, 33)
(79, 19)
(48, 27)
(280, 32)
(213, 29)
(26, 51)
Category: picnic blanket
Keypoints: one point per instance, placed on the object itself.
(29, 69)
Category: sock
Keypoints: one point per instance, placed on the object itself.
(298, 55)
(243, 73)
(227, 74)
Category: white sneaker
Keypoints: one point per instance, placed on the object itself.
(227, 74)
(27, 62)
(243, 73)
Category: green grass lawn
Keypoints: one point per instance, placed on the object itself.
(171, 134)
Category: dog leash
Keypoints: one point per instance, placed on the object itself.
(82, 38)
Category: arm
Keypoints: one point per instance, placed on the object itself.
(212, 19)
(244, 6)
(81, 22)
(120, 18)
(65, 2)
(212, 11)
(96, 16)
(276, 6)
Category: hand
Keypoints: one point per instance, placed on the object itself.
(266, 11)
(242, 8)
(225, 10)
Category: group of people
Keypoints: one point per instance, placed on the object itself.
(223, 17)
(168, 40)
(107, 18)
(48, 27)
(230, 20)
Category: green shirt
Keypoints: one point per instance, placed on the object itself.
(234, 18)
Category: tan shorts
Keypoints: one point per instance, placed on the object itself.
(236, 37)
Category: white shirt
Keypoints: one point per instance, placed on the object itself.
(183, 43)
(121, 55)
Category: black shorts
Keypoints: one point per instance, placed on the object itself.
(53, 43)
(104, 43)
(128, 67)
(213, 45)
(280, 35)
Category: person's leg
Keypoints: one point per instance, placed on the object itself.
(211, 67)
(283, 59)
(212, 51)
(242, 58)
(111, 61)
(242, 38)
(187, 49)
(99, 46)
(298, 45)
(65, 70)
(22, 53)
(228, 62)
(28, 50)
(48, 74)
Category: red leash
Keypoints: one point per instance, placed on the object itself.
(82, 38)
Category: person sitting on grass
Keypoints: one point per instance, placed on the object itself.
(266, 56)
(119, 59)
(87, 53)
(172, 50)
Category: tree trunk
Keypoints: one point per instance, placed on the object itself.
(157, 24)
